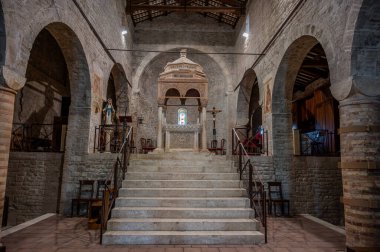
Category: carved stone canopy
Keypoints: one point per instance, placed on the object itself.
(183, 79)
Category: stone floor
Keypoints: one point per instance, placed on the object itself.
(58, 234)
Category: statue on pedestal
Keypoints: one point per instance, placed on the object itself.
(109, 112)
(108, 117)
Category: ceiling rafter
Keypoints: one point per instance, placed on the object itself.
(225, 11)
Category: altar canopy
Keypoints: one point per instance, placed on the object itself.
(182, 100)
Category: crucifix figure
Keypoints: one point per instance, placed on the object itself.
(214, 112)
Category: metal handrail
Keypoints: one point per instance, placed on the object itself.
(257, 200)
(111, 193)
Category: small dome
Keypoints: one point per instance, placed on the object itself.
(183, 63)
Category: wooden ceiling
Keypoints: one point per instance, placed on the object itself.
(224, 11)
(314, 67)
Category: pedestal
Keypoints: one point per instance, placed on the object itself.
(108, 131)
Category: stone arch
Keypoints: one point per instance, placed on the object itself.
(120, 83)
(151, 56)
(292, 90)
(248, 97)
(147, 92)
(365, 55)
(287, 72)
(192, 93)
(172, 92)
(2, 37)
(80, 85)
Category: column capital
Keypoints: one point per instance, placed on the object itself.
(13, 79)
(8, 90)
(355, 85)
(357, 99)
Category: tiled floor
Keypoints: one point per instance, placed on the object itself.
(58, 234)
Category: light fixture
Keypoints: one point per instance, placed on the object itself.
(124, 32)
(245, 34)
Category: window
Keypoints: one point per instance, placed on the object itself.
(182, 116)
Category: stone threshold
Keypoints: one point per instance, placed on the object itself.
(26, 224)
(324, 223)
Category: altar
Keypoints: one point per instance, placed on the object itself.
(182, 101)
(181, 137)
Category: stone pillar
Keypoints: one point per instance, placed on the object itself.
(7, 100)
(159, 134)
(204, 135)
(360, 164)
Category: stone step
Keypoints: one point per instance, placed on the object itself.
(183, 169)
(181, 183)
(125, 224)
(186, 213)
(182, 192)
(180, 176)
(181, 202)
(178, 156)
(183, 238)
(190, 162)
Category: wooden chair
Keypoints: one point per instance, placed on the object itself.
(85, 194)
(276, 198)
(222, 148)
(133, 146)
(143, 145)
(96, 204)
(214, 146)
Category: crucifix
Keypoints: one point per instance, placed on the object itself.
(214, 112)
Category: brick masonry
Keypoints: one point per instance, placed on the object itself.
(32, 185)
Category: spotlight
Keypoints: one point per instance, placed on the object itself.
(124, 32)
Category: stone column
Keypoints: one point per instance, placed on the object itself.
(360, 164)
(159, 134)
(204, 135)
(7, 100)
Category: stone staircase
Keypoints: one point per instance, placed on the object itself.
(182, 198)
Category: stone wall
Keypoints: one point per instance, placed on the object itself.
(32, 185)
(92, 166)
(317, 188)
(315, 185)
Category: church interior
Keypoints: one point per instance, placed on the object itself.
(192, 124)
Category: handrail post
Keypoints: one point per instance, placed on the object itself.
(126, 147)
(267, 144)
(250, 184)
(116, 170)
(233, 142)
(240, 162)
(265, 215)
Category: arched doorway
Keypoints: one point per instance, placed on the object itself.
(249, 113)
(109, 134)
(305, 120)
(51, 122)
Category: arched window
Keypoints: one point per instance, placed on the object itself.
(182, 116)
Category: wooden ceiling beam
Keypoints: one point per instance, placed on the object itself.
(174, 8)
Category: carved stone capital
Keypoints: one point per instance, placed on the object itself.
(13, 79)
(161, 101)
(204, 102)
